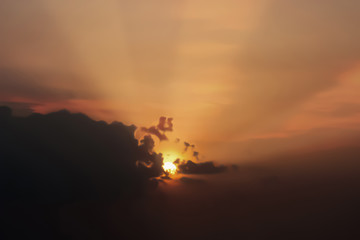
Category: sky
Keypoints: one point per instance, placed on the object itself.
(242, 79)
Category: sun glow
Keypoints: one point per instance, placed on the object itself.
(169, 166)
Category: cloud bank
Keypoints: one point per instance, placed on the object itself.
(53, 161)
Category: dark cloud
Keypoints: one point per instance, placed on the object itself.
(200, 168)
(150, 162)
(154, 131)
(164, 125)
(196, 155)
(66, 176)
(147, 143)
(20, 108)
(60, 169)
(187, 145)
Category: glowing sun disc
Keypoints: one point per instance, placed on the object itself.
(169, 167)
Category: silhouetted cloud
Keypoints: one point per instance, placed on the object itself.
(67, 176)
(147, 143)
(187, 145)
(54, 162)
(20, 108)
(154, 131)
(164, 125)
(54, 165)
(196, 155)
(200, 168)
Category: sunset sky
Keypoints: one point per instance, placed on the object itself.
(242, 79)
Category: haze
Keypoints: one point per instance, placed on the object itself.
(242, 79)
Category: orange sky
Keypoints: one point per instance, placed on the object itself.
(241, 79)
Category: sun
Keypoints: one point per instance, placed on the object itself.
(168, 165)
(170, 168)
